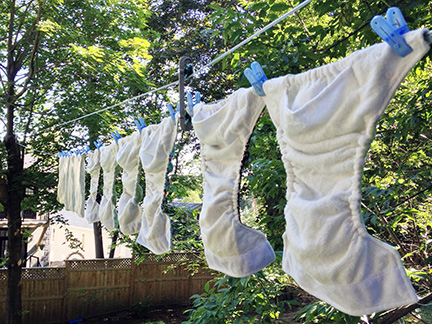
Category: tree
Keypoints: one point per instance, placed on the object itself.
(53, 55)
(20, 45)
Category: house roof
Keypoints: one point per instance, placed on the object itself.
(188, 206)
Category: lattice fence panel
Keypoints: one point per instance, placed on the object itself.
(166, 258)
(37, 273)
(42, 273)
(95, 264)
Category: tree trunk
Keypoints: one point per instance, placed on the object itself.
(97, 226)
(97, 230)
(15, 194)
(14, 186)
(113, 244)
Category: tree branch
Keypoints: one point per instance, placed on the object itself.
(398, 313)
(368, 6)
(3, 83)
(343, 39)
(388, 226)
(21, 22)
(33, 56)
(301, 19)
(418, 318)
(355, 31)
(51, 66)
(411, 197)
(30, 117)
(11, 73)
(26, 39)
(393, 235)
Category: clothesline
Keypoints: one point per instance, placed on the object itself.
(33, 149)
(204, 68)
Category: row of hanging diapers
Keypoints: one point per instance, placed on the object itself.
(150, 148)
(325, 120)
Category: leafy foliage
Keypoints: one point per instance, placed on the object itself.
(396, 186)
(251, 299)
(321, 312)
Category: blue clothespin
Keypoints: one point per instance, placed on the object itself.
(98, 144)
(392, 29)
(87, 148)
(256, 78)
(397, 20)
(172, 113)
(140, 124)
(115, 135)
(191, 103)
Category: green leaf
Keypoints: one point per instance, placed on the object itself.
(417, 275)
(257, 6)
(428, 260)
(215, 7)
(280, 7)
(244, 281)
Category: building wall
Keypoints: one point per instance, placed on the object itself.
(37, 248)
(80, 244)
(34, 237)
(50, 244)
(75, 241)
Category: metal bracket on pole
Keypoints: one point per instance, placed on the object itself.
(182, 63)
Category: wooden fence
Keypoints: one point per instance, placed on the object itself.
(86, 288)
